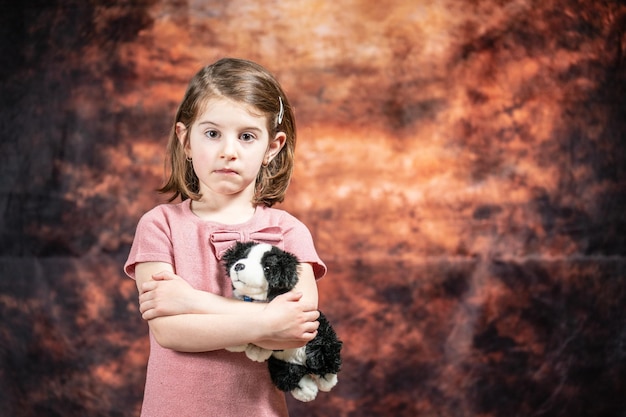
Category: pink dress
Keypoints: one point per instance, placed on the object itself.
(217, 383)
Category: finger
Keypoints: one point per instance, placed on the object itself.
(309, 336)
(312, 316)
(314, 325)
(145, 306)
(148, 314)
(311, 328)
(148, 286)
(146, 296)
(163, 275)
(292, 296)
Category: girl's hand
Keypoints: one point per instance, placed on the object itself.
(166, 295)
(290, 322)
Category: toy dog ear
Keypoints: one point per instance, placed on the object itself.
(281, 268)
(235, 253)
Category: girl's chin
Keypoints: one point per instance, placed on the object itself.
(229, 190)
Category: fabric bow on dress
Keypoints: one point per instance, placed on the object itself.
(223, 240)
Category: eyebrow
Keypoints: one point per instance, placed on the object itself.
(208, 122)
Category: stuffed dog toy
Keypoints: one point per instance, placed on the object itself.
(260, 272)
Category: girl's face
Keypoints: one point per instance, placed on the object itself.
(227, 143)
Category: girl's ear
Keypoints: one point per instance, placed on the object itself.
(181, 134)
(275, 146)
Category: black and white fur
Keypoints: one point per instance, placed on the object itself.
(260, 272)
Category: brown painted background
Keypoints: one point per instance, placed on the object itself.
(461, 165)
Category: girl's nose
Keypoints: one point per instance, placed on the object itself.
(229, 148)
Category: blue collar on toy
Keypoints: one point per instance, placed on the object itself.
(251, 300)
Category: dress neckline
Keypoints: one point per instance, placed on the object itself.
(186, 205)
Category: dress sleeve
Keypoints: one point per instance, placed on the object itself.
(298, 240)
(152, 242)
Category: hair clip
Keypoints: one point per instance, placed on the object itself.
(281, 112)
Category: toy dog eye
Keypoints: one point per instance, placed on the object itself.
(266, 268)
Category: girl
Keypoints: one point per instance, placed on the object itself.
(231, 153)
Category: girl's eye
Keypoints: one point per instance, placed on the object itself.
(212, 134)
(247, 137)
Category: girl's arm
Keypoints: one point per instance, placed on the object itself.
(167, 294)
(216, 322)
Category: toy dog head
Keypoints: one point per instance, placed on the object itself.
(260, 271)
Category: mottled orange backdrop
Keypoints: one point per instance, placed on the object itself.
(461, 165)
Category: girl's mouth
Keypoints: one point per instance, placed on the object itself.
(225, 171)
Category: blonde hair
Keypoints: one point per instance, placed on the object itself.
(245, 82)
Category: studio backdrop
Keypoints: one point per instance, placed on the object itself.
(460, 164)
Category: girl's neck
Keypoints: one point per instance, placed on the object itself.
(225, 212)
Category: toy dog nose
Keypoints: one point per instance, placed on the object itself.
(239, 267)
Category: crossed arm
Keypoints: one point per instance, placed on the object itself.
(189, 320)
